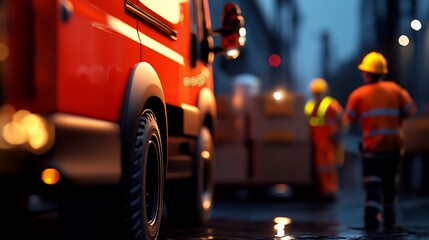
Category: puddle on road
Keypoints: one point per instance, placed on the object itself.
(227, 229)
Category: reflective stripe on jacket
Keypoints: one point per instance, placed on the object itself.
(324, 113)
(380, 107)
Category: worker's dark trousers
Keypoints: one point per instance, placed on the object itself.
(380, 178)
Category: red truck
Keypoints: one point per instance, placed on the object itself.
(108, 103)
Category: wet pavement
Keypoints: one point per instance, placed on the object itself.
(249, 213)
(304, 219)
(272, 218)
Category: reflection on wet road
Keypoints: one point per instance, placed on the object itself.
(273, 218)
(257, 219)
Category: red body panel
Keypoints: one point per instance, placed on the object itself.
(81, 64)
(97, 49)
(32, 73)
(94, 61)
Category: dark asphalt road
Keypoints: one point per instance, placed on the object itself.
(254, 219)
(238, 216)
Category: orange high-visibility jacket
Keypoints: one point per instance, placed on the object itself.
(325, 119)
(380, 107)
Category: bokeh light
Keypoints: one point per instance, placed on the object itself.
(274, 60)
(50, 176)
(403, 40)
(416, 25)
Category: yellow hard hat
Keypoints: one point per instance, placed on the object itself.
(318, 85)
(374, 62)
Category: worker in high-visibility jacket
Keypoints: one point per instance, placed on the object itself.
(325, 115)
(380, 107)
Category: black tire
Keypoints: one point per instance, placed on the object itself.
(144, 185)
(192, 200)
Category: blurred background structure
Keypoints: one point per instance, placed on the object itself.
(290, 42)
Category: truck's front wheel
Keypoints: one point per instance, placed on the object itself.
(145, 182)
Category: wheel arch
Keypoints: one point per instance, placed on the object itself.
(144, 91)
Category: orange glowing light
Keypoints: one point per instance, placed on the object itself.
(50, 176)
(207, 204)
(24, 128)
(38, 135)
(205, 154)
(14, 133)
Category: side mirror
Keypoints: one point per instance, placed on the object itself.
(233, 33)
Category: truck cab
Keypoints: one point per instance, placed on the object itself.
(122, 94)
